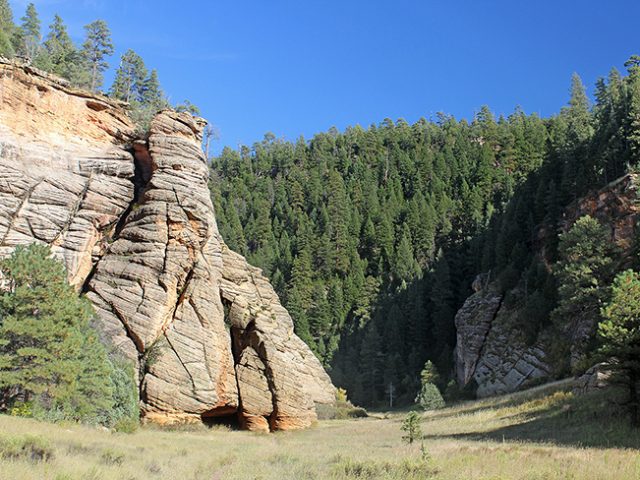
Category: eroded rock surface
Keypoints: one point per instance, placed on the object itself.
(65, 173)
(134, 223)
(473, 323)
(271, 359)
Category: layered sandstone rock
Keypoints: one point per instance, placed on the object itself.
(134, 223)
(65, 174)
(272, 362)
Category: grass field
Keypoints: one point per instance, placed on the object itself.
(545, 433)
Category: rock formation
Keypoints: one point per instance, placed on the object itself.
(491, 350)
(134, 224)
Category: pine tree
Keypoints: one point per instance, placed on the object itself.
(48, 353)
(578, 173)
(372, 365)
(7, 29)
(441, 299)
(129, 82)
(411, 426)
(620, 335)
(95, 49)
(583, 273)
(62, 54)
(30, 33)
(151, 95)
(405, 266)
(632, 121)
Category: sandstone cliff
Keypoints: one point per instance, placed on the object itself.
(490, 351)
(134, 224)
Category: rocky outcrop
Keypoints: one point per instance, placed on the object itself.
(65, 173)
(473, 323)
(615, 205)
(597, 377)
(490, 349)
(271, 361)
(133, 221)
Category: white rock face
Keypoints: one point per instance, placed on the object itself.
(135, 226)
(490, 352)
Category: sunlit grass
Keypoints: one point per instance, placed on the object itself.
(543, 434)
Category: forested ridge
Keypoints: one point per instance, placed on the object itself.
(372, 237)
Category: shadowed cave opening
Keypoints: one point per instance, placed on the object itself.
(225, 416)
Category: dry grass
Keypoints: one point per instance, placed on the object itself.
(543, 434)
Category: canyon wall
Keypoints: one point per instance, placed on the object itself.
(133, 222)
(491, 351)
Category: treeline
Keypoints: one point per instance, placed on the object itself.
(373, 236)
(84, 66)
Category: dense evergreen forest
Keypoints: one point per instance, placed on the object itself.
(372, 237)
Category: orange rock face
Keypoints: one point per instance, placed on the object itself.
(43, 108)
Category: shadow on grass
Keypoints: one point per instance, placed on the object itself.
(592, 420)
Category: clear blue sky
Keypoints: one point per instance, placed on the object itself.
(299, 67)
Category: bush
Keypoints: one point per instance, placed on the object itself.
(28, 447)
(429, 397)
(411, 426)
(22, 409)
(126, 425)
(125, 414)
(342, 410)
(454, 393)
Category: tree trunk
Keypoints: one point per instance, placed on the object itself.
(633, 397)
(93, 77)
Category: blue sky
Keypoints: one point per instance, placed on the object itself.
(300, 67)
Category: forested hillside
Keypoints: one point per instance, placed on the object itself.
(373, 236)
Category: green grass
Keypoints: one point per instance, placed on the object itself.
(543, 434)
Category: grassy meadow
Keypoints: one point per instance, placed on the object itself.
(545, 433)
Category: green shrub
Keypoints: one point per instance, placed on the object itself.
(341, 410)
(22, 409)
(430, 397)
(125, 414)
(27, 447)
(411, 427)
(126, 425)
